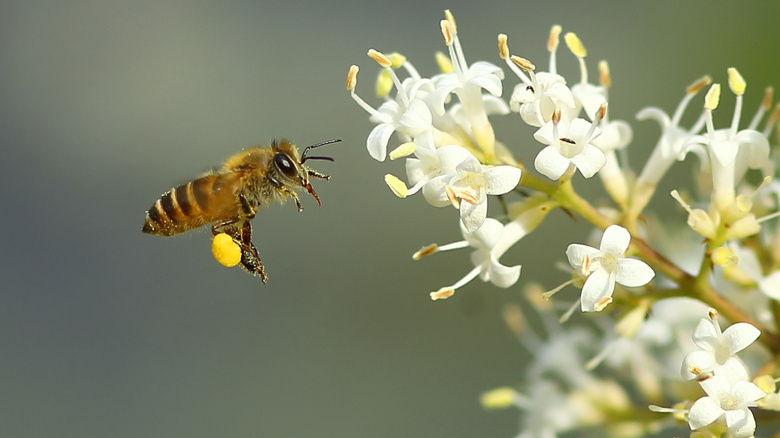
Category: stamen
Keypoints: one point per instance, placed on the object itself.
(697, 85)
(604, 302)
(396, 59)
(446, 32)
(523, 63)
(451, 18)
(403, 150)
(736, 82)
(452, 197)
(691, 91)
(380, 58)
(425, 251)
(352, 77)
(567, 315)
(575, 45)
(442, 293)
(503, 47)
(552, 47)
(547, 295)
(712, 98)
(396, 185)
(444, 63)
(604, 76)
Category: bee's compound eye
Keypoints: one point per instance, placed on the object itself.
(284, 164)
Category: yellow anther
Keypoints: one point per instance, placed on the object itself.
(736, 82)
(503, 46)
(404, 150)
(575, 45)
(712, 98)
(552, 42)
(352, 77)
(604, 76)
(396, 185)
(523, 63)
(697, 85)
(444, 63)
(380, 58)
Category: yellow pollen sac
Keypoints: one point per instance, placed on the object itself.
(225, 250)
(575, 45)
(444, 63)
(396, 185)
(736, 82)
(712, 98)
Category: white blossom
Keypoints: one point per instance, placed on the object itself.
(488, 245)
(728, 399)
(716, 346)
(606, 266)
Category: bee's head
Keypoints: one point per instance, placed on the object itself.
(288, 167)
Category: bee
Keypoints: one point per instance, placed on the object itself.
(230, 197)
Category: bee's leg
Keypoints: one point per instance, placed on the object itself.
(250, 260)
(219, 227)
(246, 208)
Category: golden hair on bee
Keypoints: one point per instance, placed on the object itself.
(230, 197)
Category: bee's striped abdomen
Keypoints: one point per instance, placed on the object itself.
(191, 205)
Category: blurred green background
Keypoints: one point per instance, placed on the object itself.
(107, 332)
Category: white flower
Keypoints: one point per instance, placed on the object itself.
(407, 114)
(467, 82)
(488, 248)
(716, 347)
(471, 183)
(432, 163)
(569, 144)
(536, 102)
(606, 266)
(728, 397)
(731, 152)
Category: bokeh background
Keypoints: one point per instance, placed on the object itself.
(104, 105)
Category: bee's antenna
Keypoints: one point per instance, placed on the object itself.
(304, 156)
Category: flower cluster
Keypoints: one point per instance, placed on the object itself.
(725, 255)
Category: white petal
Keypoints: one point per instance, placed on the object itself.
(491, 83)
(451, 156)
(503, 276)
(486, 237)
(725, 151)
(655, 114)
(416, 118)
(738, 336)
(741, 423)
(576, 254)
(704, 361)
(715, 385)
(633, 273)
(495, 105)
(705, 336)
(703, 413)
(560, 92)
(434, 191)
(747, 392)
(600, 284)
(377, 140)
(502, 179)
(551, 163)
(771, 285)
(615, 240)
(473, 215)
(590, 160)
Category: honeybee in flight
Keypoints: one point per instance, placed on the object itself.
(230, 197)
